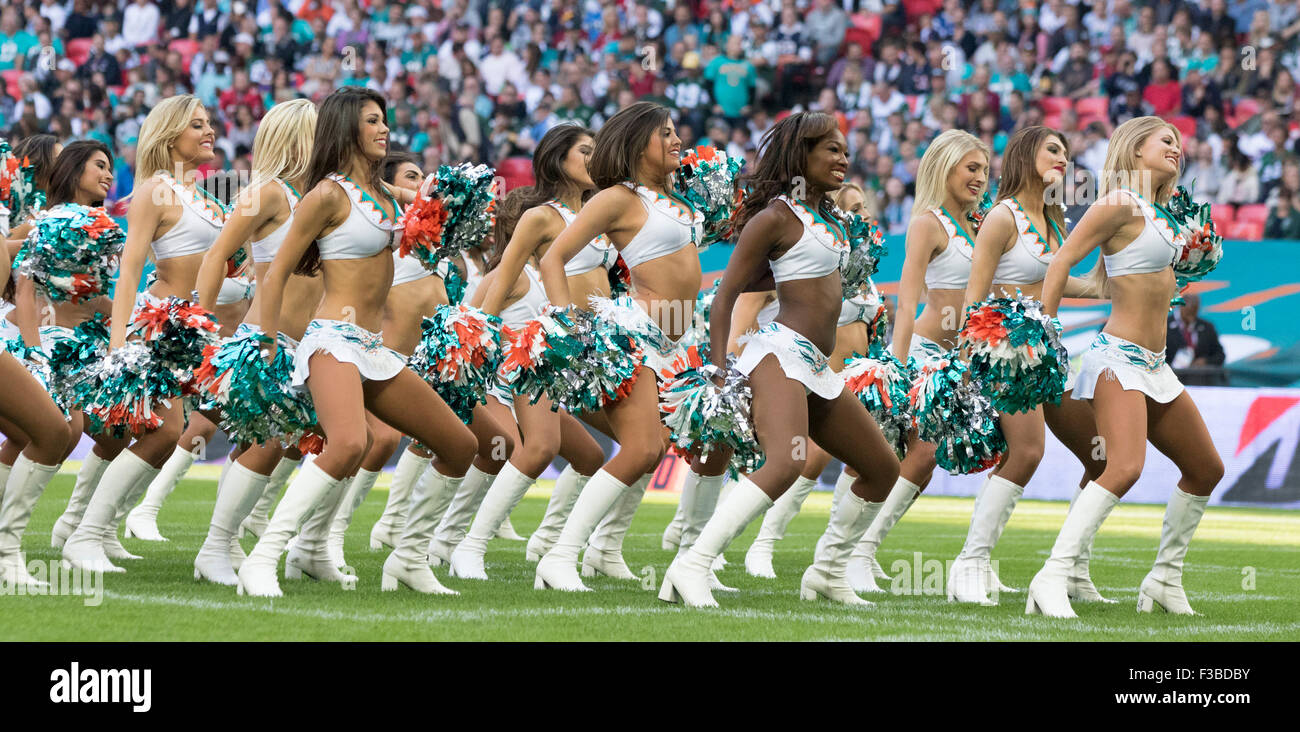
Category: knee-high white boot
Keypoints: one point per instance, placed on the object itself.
(1079, 586)
(142, 521)
(408, 563)
(92, 469)
(701, 501)
(604, 554)
(410, 468)
(863, 569)
(456, 520)
(23, 486)
(505, 492)
(672, 537)
(255, 523)
(507, 531)
(308, 554)
(304, 494)
(558, 508)
(353, 497)
(843, 482)
(971, 576)
(1047, 592)
(827, 575)
(84, 549)
(113, 545)
(1163, 585)
(758, 560)
(558, 568)
(235, 498)
(687, 578)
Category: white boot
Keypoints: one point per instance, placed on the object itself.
(563, 496)
(235, 498)
(353, 497)
(700, 504)
(720, 561)
(826, 577)
(23, 486)
(1163, 585)
(5, 472)
(112, 544)
(451, 529)
(1047, 591)
(255, 523)
(758, 560)
(558, 568)
(843, 482)
(604, 554)
(507, 489)
(308, 554)
(410, 468)
(142, 521)
(863, 569)
(92, 469)
(687, 578)
(257, 576)
(1079, 585)
(408, 563)
(969, 575)
(672, 537)
(84, 549)
(507, 531)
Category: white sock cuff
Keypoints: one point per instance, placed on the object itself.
(514, 474)
(92, 460)
(750, 491)
(181, 456)
(366, 476)
(711, 481)
(138, 462)
(604, 476)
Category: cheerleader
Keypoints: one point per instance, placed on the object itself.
(796, 395)
(940, 241)
(1134, 392)
(39, 152)
(1016, 243)
(262, 216)
(530, 219)
(177, 220)
(635, 154)
(344, 227)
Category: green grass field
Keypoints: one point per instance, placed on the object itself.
(1241, 574)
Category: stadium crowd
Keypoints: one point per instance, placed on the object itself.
(482, 80)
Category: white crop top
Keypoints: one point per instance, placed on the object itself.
(1031, 254)
(951, 269)
(472, 276)
(822, 249)
(407, 269)
(197, 228)
(859, 308)
(367, 231)
(599, 252)
(668, 227)
(1157, 247)
(530, 305)
(264, 249)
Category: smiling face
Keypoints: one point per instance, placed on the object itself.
(195, 144)
(372, 132)
(663, 153)
(967, 178)
(828, 162)
(577, 160)
(1050, 161)
(1160, 153)
(96, 179)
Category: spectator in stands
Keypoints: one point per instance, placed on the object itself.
(1203, 175)
(1163, 93)
(15, 41)
(1284, 215)
(1192, 341)
(1241, 184)
(733, 78)
(140, 23)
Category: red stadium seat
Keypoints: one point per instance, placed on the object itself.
(1248, 230)
(917, 8)
(1253, 212)
(1186, 126)
(186, 48)
(1222, 214)
(1092, 107)
(1244, 110)
(862, 37)
(517, 172)
(1053, 120)
(1055, 105)
(11, 78)
(79, 50)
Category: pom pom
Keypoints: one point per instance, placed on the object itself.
(877, 319)
(71, 253)
(18, 186)
(253, 395)
(452, 280)
(69, 357)
(866, 248)
(976, 215)
(575, 358)
(951, 413)
(620, 278)
(702, 416)
(458, 354)
(706, 179)
(1202, 245)
(122, 392)
(311, 443)
(1015, 353)
(454, 215)
(37, 364)
(422, 227)
(882, 384)
(177, 332)
(236, 263)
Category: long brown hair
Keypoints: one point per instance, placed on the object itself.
(39, 152)
(622, 139)
(65, 174)
(509, 209)
(782, 160)
(1019, 169)
(338, 125)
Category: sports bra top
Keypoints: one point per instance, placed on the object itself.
(768, 312)
(530, 305)
(472, 277)
(668, 227)
(823, 248)
(407, 269)
(859, 308)
(1029, 257)
(599, 252)
(264, 249)
(951, 269)
(1157, 247)
(368, 229)
(196, 229)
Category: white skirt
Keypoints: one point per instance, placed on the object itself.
(234, 289)
(1136, 368)
(348, 343)
(922, 348)
(665, 356)
(52, 334)
(798, 357)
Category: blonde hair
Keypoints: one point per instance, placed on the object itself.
(939, 159)
(839, 195)
(282, 146)
(165, 123)
(1119, 172)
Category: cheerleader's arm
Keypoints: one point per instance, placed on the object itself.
(923, 235)
(999, 227)
(1100, 223)
(253, 209)
(142, 219)
(603, 214)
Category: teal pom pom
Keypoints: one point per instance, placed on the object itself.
(882, 383)
(71, 253)
(866, 248)
(177, 332)
(951, 413)
(458, 355)
(466, 192)
(254, 396)
(1015, 353)
(452, 280)
(1202, 245)
(706, 179)
(122, 392)
(576, 359)
(703, 417)
(18, 190)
